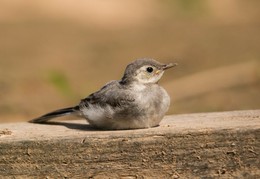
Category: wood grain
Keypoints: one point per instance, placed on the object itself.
(224, 144)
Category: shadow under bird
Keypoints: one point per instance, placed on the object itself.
(134, 102)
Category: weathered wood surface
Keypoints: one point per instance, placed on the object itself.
(201, 145)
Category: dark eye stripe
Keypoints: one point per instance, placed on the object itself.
(149, 69)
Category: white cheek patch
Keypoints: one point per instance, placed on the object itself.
(159, 75)
(143, 77)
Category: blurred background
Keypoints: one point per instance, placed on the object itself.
(54, 53)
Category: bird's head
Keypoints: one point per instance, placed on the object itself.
(145, 71)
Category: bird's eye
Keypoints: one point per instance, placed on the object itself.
(149, 69)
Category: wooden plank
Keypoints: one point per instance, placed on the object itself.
(224, 144)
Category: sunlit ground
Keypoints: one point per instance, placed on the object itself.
(52, 54)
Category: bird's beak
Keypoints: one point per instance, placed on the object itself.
(165, 67)
(170, 65)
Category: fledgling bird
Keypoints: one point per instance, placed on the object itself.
(136, 101)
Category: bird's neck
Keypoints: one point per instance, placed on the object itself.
(136, 85)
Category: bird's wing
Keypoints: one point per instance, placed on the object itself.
(112, 94)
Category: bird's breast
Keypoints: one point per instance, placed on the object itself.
(154, 101)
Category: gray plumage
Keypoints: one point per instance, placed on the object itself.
(135, 101)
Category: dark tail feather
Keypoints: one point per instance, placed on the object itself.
(57, 113)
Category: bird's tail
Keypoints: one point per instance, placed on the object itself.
(54, 114)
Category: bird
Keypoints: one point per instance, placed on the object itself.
(136, 101)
